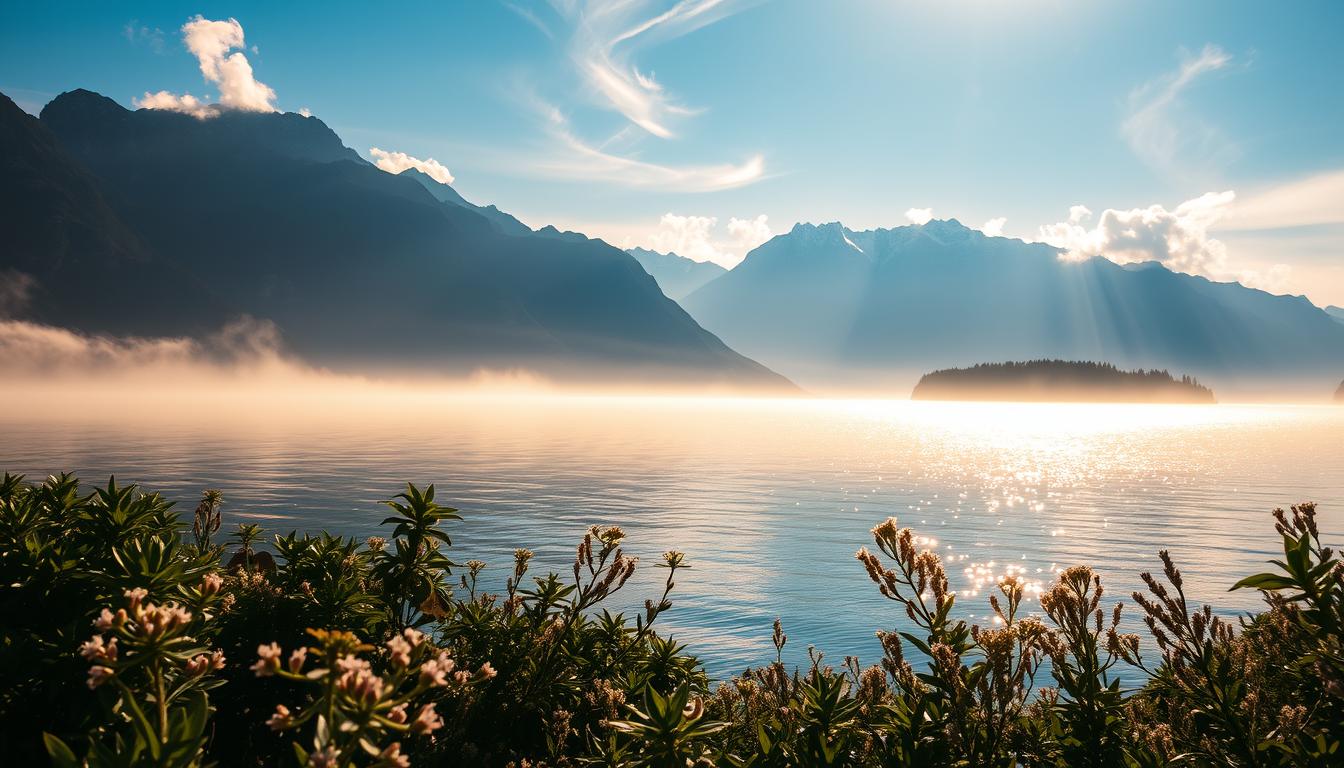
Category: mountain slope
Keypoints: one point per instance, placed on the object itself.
(270, 215)
(66, 252)
(829, 303)
(446, 194)
(678, 276)
(1335, 312)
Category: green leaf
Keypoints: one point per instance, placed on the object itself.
(1265, 581)
(61, 755)
(198, 713)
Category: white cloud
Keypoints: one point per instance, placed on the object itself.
(688, 236)
(919, 216)
(994, 227)
(210, 42)
(749, 233)
(1159, 132)
(172, 102)
(396, 162)
(698, 237)
(1178, 238)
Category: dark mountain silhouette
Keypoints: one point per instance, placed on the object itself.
(678, 276)
(270, 215)
(1059, 381)
(63, 247)
(827, 303)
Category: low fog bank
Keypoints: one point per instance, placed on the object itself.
(45, 370)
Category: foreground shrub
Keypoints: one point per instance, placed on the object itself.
(132, 639)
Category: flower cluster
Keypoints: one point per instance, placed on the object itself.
(357, 708)
(143, 627)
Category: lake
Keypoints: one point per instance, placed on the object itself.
(770, 499)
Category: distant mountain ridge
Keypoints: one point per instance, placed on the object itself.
(678, 276)
(1336, 312)
(444, 193)
(188, 223)
(827, 304)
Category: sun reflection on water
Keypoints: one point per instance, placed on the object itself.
(768, 498)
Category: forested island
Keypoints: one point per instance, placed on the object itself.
(1059, 380)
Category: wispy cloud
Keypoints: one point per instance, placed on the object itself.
(608, 33)
(211, 42)
(140, 34)
(396, 162)
(602, 39)
(574, 158)
(1160, 132)
(1313, 200)
(531, 17)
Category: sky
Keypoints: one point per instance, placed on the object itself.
(1206, 135)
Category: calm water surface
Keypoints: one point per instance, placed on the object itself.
(769, 499)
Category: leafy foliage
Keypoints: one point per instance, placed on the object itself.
(129, 641)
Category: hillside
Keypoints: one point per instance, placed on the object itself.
(678, 276)
(825, 304)
(270, 215)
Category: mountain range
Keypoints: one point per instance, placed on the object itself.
(828, 305)
(154, 223)
(678, 276)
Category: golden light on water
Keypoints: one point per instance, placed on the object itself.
(769, 497)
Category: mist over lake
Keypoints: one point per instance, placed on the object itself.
(768, 498)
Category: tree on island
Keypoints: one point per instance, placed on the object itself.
(1059, 380)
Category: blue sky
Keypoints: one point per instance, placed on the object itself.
(1203, 134)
